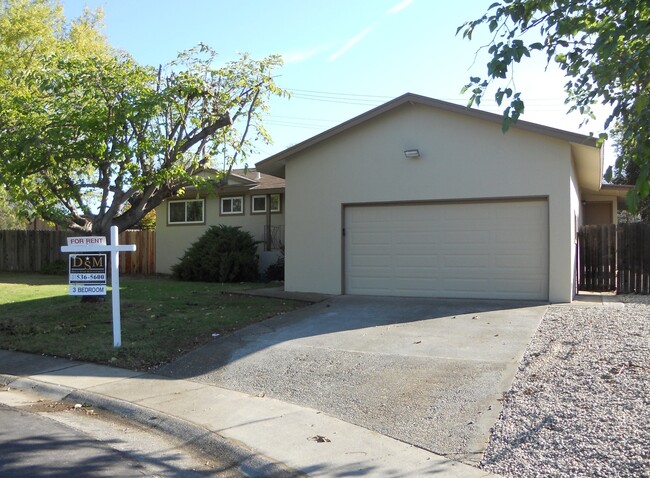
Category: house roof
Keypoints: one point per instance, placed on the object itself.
(588, 157)
(253, 180)
(243, 180)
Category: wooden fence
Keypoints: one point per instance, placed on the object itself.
(143, 260)
(33, 251)
(614, 257)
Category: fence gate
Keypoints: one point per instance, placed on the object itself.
(614, 257)
(597, 258)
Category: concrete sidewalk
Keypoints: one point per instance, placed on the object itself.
(265, 437)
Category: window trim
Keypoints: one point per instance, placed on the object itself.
(231, 213)
(185, 222)
(266, 197)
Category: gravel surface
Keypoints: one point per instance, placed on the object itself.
(580, 402)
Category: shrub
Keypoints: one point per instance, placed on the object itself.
(276, 270)
(222, 254)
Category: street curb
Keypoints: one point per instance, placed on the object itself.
(231, 454)
(48, 390)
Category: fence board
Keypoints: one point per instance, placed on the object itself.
(33, 250)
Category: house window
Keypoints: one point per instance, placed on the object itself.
(186, 212)
(258, 204)
(275, 203)
(232, 205)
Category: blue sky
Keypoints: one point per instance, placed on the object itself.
(342, 57)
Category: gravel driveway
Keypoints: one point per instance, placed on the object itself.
(580, 402)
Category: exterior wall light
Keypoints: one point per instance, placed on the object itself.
(412, 153)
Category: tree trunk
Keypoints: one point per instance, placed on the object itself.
(92, 299)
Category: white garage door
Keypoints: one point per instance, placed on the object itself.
(472, 249)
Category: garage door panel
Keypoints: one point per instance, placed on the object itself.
(365, 264)
(468, 237)
(520, 261)
(466, 260)
(372, 238)
(415, 288)
(419, 261)
(415, 238)
(406, 273)
(482, 250)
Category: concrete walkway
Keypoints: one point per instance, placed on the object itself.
(262, 436)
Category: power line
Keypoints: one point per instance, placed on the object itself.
(332, 93)
(378, 99)
(360, 99)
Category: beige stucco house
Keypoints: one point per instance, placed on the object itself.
(250, 200)
(420, 197)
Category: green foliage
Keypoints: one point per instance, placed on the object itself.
(275, 272)
(85, 130)
(222, 254)
(603, 48)
(627, 172)
(9, 219)
(148, 221)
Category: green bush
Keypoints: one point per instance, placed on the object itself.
(275, 272)
(222, 254)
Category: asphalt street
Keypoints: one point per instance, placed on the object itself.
(44, 438)
(34, 445)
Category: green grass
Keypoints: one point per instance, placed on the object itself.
(161, 318)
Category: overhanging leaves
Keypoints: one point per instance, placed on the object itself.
(603, 47)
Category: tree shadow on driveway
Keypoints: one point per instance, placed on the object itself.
(431, 372)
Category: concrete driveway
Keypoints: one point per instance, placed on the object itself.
(430, 372)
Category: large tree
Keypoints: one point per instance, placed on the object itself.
(603, 47)
(89, 138)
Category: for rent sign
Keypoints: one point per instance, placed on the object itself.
(87, 241)
(87, 274)
(88, 267)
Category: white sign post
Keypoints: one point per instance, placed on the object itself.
(98, 244)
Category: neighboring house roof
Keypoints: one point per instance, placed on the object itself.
(252, 180)
(588, 157)
(243, 180)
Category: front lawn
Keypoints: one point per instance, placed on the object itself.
(161, 318)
